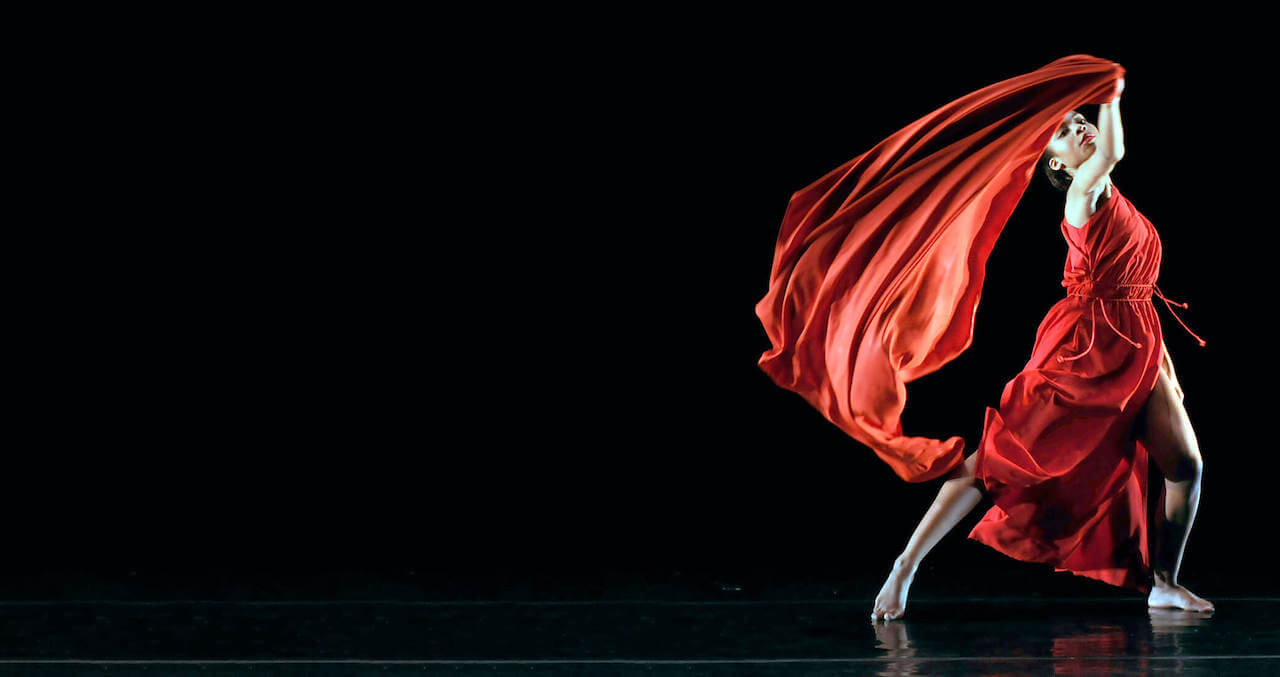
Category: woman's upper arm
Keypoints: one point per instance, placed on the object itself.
(1092, 174)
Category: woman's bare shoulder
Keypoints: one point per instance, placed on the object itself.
(1082, 206)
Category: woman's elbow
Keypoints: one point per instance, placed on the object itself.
(1113, 154)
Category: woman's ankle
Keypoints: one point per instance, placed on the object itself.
(1163, 579)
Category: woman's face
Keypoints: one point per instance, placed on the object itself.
(1072, 142)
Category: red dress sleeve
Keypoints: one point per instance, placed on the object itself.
(879, 265)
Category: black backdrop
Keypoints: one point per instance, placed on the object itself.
(491, 308)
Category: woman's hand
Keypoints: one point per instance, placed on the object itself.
(1119, 89)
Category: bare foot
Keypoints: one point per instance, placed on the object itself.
(1168, 596)
(891, 603)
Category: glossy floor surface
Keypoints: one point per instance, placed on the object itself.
(659, 630)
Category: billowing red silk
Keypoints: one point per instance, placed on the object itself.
(876, 279)
(879, 265)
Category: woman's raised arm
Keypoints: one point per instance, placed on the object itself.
(1110, 141)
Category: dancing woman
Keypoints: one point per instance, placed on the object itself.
(1058, 456)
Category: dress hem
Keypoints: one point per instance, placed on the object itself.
(1123, 579)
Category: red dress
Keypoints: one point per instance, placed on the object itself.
(1060, 457)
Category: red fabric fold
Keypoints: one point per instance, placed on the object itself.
(1064, 457)
(879, 265)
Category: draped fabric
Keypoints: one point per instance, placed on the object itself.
(879, 265)
(1061, 456)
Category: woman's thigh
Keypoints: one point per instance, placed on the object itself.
(1165, 430)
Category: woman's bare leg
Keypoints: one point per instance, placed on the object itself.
(959, 494)
(1172, 443)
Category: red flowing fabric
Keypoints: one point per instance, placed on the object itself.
(879, 264)
(876, 279)
(1061, 456)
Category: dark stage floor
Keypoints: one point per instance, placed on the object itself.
(324, 626)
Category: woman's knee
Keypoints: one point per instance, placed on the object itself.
(1189, 466)
(1178, 462)
(1167, 433)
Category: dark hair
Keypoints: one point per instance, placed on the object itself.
(1060, 179)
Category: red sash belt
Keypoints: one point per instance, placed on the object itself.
(1121, 292)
